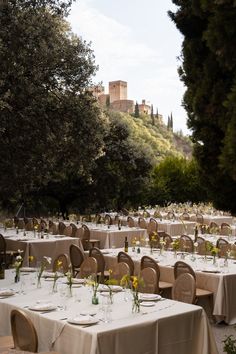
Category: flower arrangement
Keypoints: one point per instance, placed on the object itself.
(176, 244)
(45, 261)
(133, 283)
(69, 276)
(212, 249)
(56, 275)
(94, 283)
(152, 240)
(18, 265)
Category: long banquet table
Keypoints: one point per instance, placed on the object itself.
(37, 247)
(219, 279)
(155, 330)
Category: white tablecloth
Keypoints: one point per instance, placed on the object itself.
(38, 248)
(166, 328)
(218, 279)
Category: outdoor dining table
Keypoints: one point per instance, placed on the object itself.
(219, 278)
(51, 246)
(166, 327)
(112, 236)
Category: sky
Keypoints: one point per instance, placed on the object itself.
(135, 41)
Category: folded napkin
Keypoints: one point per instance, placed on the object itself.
(6, 292)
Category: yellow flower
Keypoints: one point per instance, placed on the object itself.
(31, 258)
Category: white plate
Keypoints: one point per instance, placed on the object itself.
(78, 281)
(51, 275)
(28, 269)
(42, 307)
(83, 320)
(6, 292)
(105, 288)
(88, 313)
(149, 297)
(147, 304)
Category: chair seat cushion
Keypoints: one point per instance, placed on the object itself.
(203, 292)
(6, 342)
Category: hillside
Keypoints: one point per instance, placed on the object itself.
(156, 139)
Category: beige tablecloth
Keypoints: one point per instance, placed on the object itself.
(167, 327)
(218, 279)
(38, 248)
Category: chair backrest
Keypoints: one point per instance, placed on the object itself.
(76, 257)
(214, 227)
(199, 218)
(130, 221)
(64, 267)
(203, 247)
(168, 241)
(149, 278)
(224, 246)
(181, 267)
(79, 232)
(148, 262)
(21, 224)
(88, 267)
(119, 270)
(152, 225)
(142, 223)
(185, 216)
(67, 231)
(23, 332)
(184, 288)
(186, 244)
(61, 227)
(97, 254)
(124, 257)
(108, 219)
(170, 215)
(225, 229)
(85, 233)
(29, 226)
(53, 228)
(74, 229)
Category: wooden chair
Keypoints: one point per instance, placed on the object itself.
(162, 286)
(101, 272)
(61, 227)
(88, 267)
(87, 242)
(130, 221)
(119, 270)
(23, 332)
(67, 231)
(29, 226)
(168, 241)
(184, 289)
(181, 268)
(53, 228)
(63, 258)
(224, 246)
(6, 256)
(152, 226)
(149, 277)
(148, 262)
(76, 257)
(225, 229)
(74, 229)
(199, 218)
(142, 223)
(185, 216)
(124, 257)
(186, 244)
(108, 219)
(170, 215)
(214, 227)
(203, 247)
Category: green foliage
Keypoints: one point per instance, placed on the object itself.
(176, 180)
(229, 345)
(209, 73)
(50, 127)
(136, 110)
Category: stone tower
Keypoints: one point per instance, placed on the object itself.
(117, 90)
